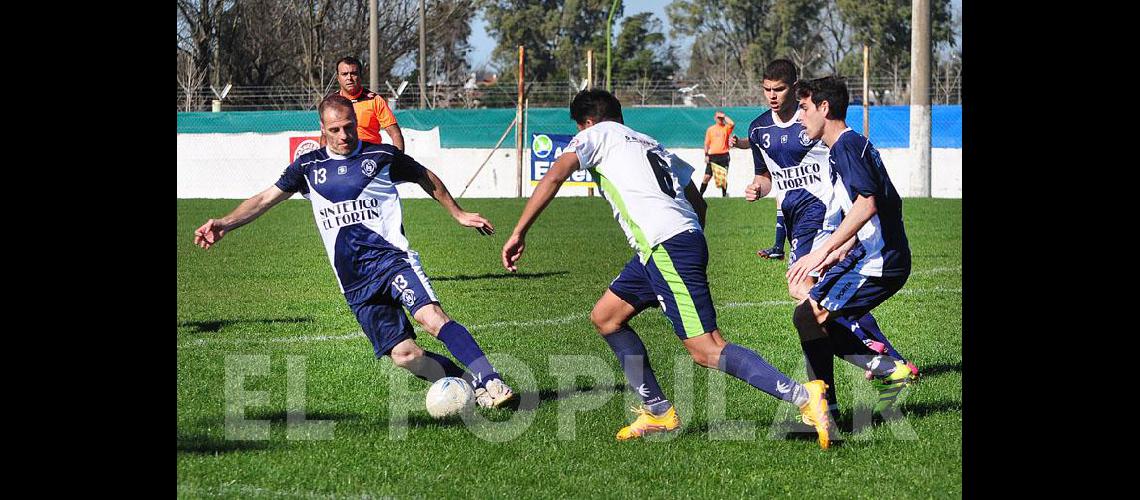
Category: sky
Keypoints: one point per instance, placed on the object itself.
(482, 44)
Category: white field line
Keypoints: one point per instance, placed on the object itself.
(929, 291)
(360, 334)
(555, 321)
(766, 303)
(937, 270)
(230, 488)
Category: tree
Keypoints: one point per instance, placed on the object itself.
(641, 52)
(196, 43)
(556, 34)
(447, 36)
(885, 26)
(746, 34)
(836, 35)
(250, 44)
(293, 43)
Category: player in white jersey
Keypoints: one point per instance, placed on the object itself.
(662, 215)
(352, 187)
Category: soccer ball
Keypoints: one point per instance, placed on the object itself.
(449, 396)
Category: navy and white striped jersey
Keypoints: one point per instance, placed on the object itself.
(356, 207)
(799, 168)
(883, 249)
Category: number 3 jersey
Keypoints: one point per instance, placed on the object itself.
(799, 168)
(643, 182)
(356, 208)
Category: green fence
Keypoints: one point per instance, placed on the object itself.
(675, 127)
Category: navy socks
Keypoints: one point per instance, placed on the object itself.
(781, 232)
(746, 365)
(463, 346)
(630, 351)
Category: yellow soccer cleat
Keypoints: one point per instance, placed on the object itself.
(648, 423)
(814, 412)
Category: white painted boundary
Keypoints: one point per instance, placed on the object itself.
(236, 166)
(523, 324)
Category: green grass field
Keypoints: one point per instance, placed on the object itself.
(268, 290)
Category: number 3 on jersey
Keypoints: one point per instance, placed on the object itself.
(664, 180)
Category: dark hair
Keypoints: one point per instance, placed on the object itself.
(348, 60)
(781, 70)
(597, 104)
(335, 101)
(832, 89)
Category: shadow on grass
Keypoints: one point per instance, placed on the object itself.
(908, 410)
(282, 416)
(925, 371)
(216, 325)
(931, 408)
(798, 431)
(528, 401)
(191, 442)
(496, 276)
(213, 445)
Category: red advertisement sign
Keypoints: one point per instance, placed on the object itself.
(301, 145)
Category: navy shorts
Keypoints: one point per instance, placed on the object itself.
(803, 243)
(379, 305)
(845, 292)
(803, 220)
(674, 278)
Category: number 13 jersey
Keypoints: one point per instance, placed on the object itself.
(642, 181)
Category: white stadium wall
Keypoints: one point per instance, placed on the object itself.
(239, 165)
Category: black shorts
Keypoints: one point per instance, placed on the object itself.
(721, 160)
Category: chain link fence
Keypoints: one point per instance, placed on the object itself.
(683, 93)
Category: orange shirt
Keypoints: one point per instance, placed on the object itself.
(372, 114)
(716, 137)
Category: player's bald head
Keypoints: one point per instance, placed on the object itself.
(338, 105)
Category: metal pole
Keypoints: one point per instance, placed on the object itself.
(866, 90)
(920, 97)
(948, 64)
(489, 155)
(609, 41)
(373, 48)
(519, 127)
(590, 68)
(590, 85)
(423, 66)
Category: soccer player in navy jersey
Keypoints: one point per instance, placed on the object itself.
(867, 258)
(796, 166)
(352, 187)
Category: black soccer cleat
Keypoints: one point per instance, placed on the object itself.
(771, 253)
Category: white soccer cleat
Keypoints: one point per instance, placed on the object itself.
(493, 394)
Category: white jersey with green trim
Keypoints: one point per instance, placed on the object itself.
(644, 183)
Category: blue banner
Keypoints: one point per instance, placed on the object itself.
(544, 149)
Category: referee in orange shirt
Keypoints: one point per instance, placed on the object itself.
(372, 111)
(716, 149)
